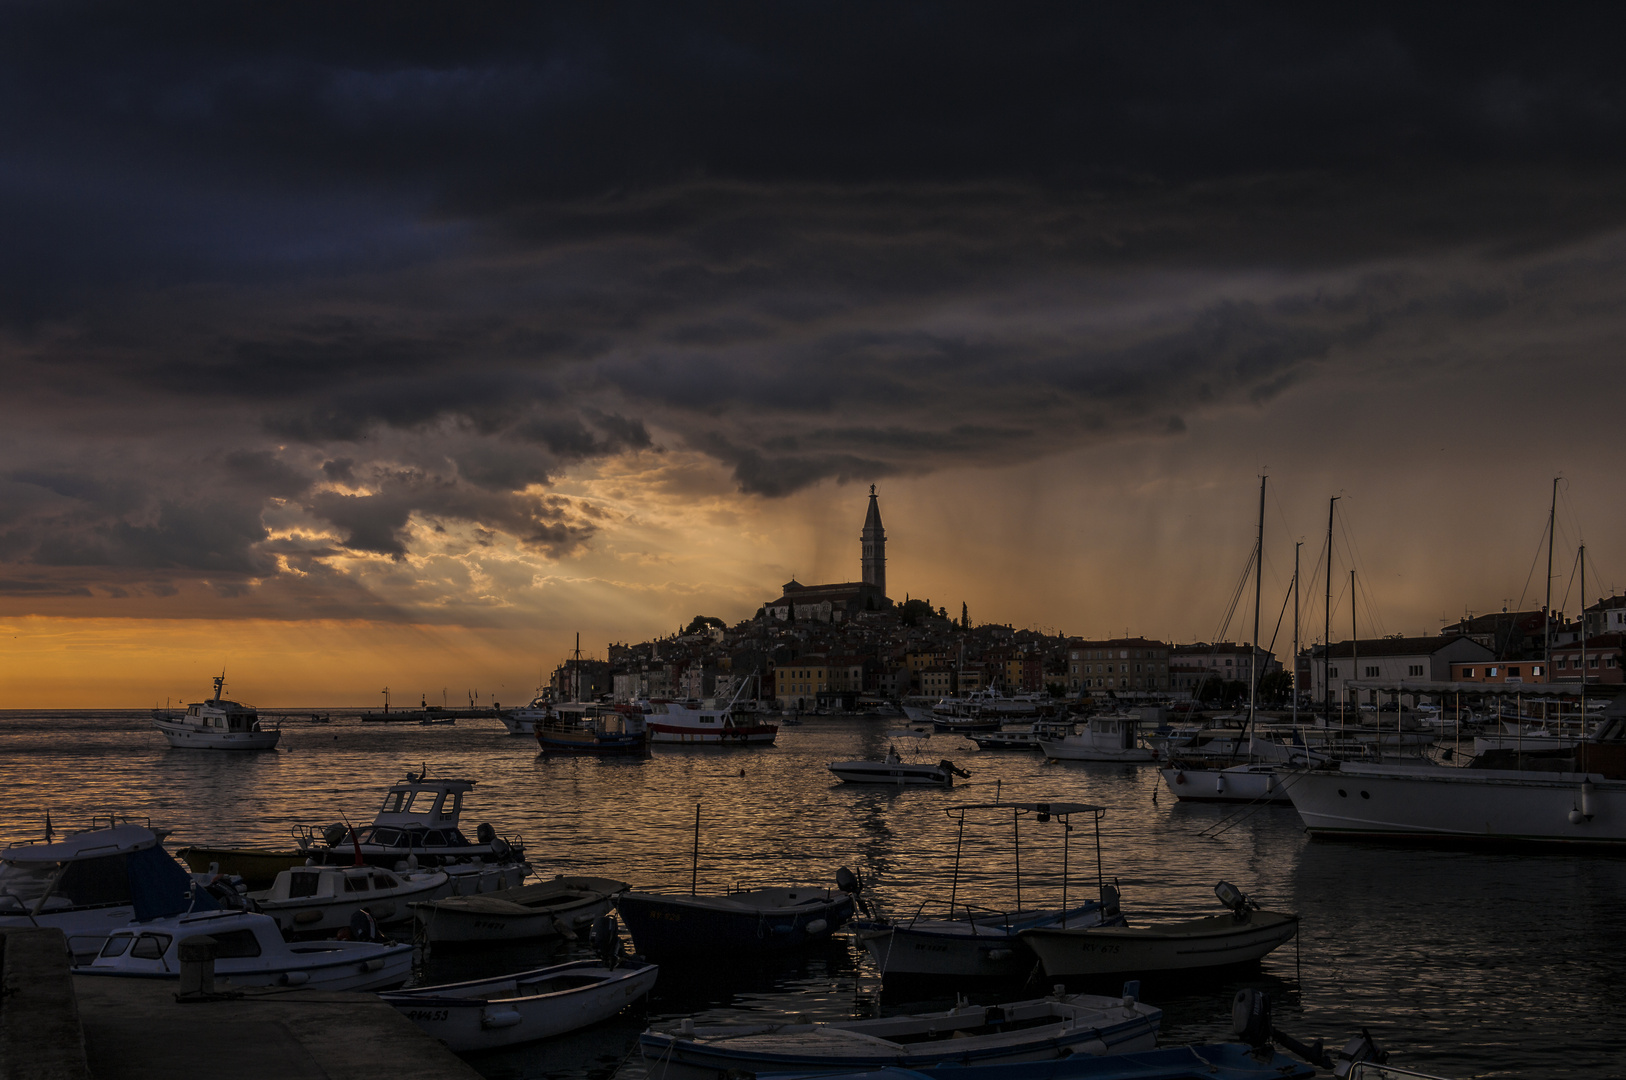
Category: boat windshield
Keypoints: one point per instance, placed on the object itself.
(23, 884)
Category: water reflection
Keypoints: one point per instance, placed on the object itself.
(1466, 962)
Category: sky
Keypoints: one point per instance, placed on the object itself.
(346, 346)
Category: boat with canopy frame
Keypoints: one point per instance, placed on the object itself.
(976, 943)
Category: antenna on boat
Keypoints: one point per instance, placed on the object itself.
(694, 866)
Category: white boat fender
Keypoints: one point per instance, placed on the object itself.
(499, 1018)
(1586, 799)
(294, 978)
(1219, 785)
(309, 915)
(1000, 954)
(374, 964)
(817, 926)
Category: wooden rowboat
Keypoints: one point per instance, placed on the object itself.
(562, 907)
(488, 1013)
(1210, 942)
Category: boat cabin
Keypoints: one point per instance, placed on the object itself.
(85, 871)
(423, 804)
(237, 935)
(330, 882)
(1120, 732)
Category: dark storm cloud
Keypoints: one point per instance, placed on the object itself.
(372, 264)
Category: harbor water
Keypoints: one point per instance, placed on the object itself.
(1463, 963)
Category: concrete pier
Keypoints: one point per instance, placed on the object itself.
(56, 1026)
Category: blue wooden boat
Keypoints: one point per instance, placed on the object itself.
(1217, 1061)
(743, 924)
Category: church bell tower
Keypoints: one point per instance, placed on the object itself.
(874, 544)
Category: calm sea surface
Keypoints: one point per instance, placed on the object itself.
(1465, 964)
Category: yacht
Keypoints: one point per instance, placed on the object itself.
(1572, 796)
(216, 724)
(692, 722)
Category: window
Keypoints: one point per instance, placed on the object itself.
(1513, 671)
(1332, 673)
(1467, 673)
(1592, 662)
(150, 947)
(117, 944)
(1414, 670)
(302, 884)
(236, 943)
(1371, 673)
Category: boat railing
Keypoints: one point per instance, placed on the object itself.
(1372, 1070)
(108, 820)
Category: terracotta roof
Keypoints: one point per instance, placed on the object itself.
(1409, 646)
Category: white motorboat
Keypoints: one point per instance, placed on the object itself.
(318, 900)
(892, 769)
(1248, 782)
(1100, 738)
(1244, 935)
(216, 724)
(1573, 796)
(416, 826)
(690, 723)
(1041, 1029)
(523, 720)
(87, 883)
(488, 1013)
(250, 951)
(561, 907)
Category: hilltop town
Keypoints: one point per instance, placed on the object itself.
(837, 646)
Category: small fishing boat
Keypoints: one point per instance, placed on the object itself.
(1244, 935)
(316, 901)
(892, 769)
(557, 908)
(742, 923)
(416, 826)
(977, 943)
(1025, 737)
(1213, 1061)
(489, 1013)
(250, 951)
(1100, 738)
(216, 724)
(602, 730)
(1041, 1029)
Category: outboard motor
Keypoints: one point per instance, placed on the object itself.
(1361, 1048)
(484, 833)
(335, 833)
(231, 894)
(853, 885)
(363, 927)
(953, 768)
(1235, 899)
(605, 939)
(1251, 1020)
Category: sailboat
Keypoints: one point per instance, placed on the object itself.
(1256, 778)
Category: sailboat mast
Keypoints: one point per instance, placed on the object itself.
(1354, 653)
(1295, 683)
(1547, 605)
(1258, 585)
(1583, 641)
(1326, 633)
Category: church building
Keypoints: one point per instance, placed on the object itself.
(839, 602)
